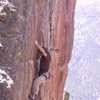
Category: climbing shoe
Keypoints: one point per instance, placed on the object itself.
(31, 97)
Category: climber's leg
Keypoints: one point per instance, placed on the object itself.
(37, 82)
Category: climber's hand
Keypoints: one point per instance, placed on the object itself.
(40, 48)
(36, 42)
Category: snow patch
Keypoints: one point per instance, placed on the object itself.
(98, 97)
(99, 60)
(87, 2)
(6, 79)
(1, 45)
(4, 3)
(98, 9)
(97, 41)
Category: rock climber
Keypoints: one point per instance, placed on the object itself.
(44, 73)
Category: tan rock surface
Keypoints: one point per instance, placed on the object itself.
(21, 22)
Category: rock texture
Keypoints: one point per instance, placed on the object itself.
(21, 22)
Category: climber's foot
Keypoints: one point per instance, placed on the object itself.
(31, 97)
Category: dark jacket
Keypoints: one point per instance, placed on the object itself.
(45, 62)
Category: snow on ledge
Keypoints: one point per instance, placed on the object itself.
(6, 79)
(1, 45)
(4, 3)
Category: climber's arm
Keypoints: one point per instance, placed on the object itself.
(40, 48)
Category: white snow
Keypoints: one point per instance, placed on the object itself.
(98, 8)
(4, 3)
(98, 97)
(6, 79)
(83, 82)
(87, 2)
(99, 60)
(1, 45)
(97, 41)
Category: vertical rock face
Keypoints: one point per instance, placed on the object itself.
(21, 22)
